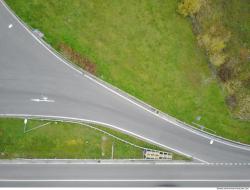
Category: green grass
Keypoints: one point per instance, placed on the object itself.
(66, 140)
(143, 47)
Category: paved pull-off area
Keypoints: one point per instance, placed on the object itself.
(36, 82)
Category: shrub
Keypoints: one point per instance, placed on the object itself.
(214, 41)
(217, 59)
(189, 7)
(225, 73)
(216, 45)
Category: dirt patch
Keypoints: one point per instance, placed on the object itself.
(77, 58)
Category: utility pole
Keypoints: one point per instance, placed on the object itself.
(25, 123)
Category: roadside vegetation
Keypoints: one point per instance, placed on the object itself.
(147, 49)
(51, 139)
(222, 29)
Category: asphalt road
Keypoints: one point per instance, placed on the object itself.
(30, 72)
(124, 175)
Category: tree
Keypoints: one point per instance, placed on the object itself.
(189, 7)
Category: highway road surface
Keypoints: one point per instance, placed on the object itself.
(163, 175)
(36, 82)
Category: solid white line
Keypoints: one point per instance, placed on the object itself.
(122, 180)
(133, 102)
(105, 124)
(51, 162)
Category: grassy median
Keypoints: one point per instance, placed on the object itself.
(143, 47)
(66, 140)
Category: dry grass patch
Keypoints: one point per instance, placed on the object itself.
(77, 58)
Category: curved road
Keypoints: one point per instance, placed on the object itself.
(29, 71)
(34, 81)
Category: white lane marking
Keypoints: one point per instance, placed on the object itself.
(211, 141)
(123, 180)
(45, 162)
(42, 100)
(109, 125)
(10, 26)
(70, 66)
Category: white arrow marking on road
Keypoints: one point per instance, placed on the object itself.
(10, 26)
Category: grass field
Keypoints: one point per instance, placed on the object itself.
(143, 47)
(66, 140)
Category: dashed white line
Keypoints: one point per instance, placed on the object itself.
(10, 26)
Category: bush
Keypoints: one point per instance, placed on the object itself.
(214, 41)
(217, 59)
(225, 73)
(189, 7)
